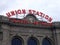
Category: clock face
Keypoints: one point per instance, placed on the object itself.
(31, 19)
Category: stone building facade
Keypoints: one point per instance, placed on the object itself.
(28, 34)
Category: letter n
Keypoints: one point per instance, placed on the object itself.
(8, 14)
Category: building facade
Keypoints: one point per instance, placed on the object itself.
(15, 33)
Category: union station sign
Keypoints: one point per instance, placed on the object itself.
(32, 12)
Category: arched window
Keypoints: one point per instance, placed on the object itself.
(46, 41)
(16, 41)
(32, 41)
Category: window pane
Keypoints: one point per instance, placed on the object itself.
(1, 35)
(32, 41)
(16, 41)
(46, 42)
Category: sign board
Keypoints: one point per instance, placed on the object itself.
(23, 11)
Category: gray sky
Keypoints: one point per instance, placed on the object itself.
(49, 7)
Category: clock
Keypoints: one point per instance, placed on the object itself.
(30, 19)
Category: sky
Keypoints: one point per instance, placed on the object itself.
(49, 7)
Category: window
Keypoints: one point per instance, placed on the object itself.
(16, 41)
(1, 35)
(32, 41)
(46, 41)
